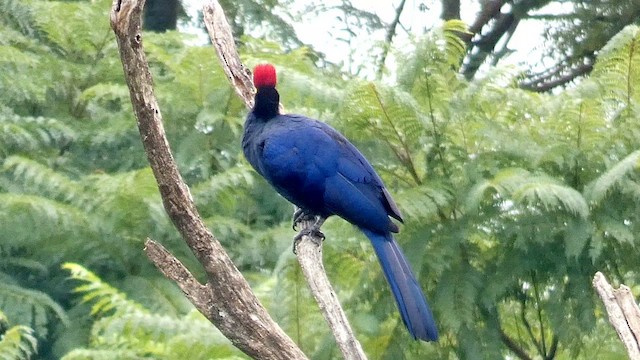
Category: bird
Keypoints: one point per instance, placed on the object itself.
(317, 169)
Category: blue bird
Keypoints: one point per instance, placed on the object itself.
(316, 168)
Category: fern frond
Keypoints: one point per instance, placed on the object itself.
(477, 194)
(529, 190)
(295, 306)
(20, 17)
(33, 307)
(128, 330)
(159, 328)
(73, 39)
(230, 229)
(18, 343)
(422, 202)
(381, 111)
(303, 91)
(229, 182)
(128, 201)
(16, 262)
(106, 299)
(457, 295)
(36, 178)
(618, 66)
(20, 133)
(551, 195)
(393, 116)
(346, 264)
(455, 48)
(509, 180)
(37, 220)
(437, 55)
(597, 190)
(108, 104)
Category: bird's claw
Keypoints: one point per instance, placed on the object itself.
(313, 232)
(300, 215)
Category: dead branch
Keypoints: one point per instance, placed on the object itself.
(623, 312)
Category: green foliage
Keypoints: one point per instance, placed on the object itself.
(511, 199)
(616, 176)
(31, 307)
(18, 17)
(584, 32)
(74, 181)
(19, 134)
(245, 14)
(17, 342)
(127, 330)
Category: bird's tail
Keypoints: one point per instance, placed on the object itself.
(412, 304)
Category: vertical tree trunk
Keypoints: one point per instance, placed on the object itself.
(450, 10)
(161, 15)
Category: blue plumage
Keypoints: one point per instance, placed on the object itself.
(320, 171)
(413, 307)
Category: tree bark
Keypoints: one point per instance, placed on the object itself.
(309, 254)
(450, 10)
(623, 312)
(226, 299)
(489, 27)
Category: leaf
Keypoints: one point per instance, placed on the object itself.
(455, 48)
(29, 306)
(619, 231)
(552, 196)
(105, 298)
(423, 201)
(598, 189)
(577, 235)
(36, 178)
(18, 343)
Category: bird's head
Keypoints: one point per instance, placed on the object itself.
(264, 75)
(267, 99)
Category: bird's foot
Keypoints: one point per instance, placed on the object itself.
(299, 216)
(313, 232)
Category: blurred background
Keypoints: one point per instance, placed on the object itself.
(507, 131)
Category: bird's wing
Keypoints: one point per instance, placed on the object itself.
(354, 167)
(296, 158)
(315, 167)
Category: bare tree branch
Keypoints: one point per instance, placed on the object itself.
(226, 300)
(309, 253)
(222, 39)
(391, 32)
(491, 25)
(173, 269)
(309, 249)
(623, 312)
(555, 77)
(513, 346)
(492, 318)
